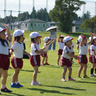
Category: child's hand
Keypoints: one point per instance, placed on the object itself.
(95, 56)
(76, 57)
(5, 25)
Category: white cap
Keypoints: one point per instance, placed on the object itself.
(1, 29)
(94, 37)
(50, 28)
(34, 35)
(67, 38)
(46, 39)
(80, 38)
(18, 33)
(61, 36)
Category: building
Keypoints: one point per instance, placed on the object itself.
(29, 25)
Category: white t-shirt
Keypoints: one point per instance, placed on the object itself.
(61, 45)
(4, 49)
(92, 48)
(34, 47)
(18, 49)
(65, 51)
(47, 47)
(83, 49)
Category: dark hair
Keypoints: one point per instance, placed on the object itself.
(17, 38)
(32, 40)
(3, 42)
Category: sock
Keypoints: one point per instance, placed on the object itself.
(63, 77)
(95, 70)
(16, 82)
(69, 77)
(3, 86)
(92, 70)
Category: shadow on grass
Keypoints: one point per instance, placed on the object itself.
(70, 88)
(86, 82)
(12, 94)
(49, 91)
(27, 70)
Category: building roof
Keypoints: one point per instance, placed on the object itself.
(33, 20)
(77, 22)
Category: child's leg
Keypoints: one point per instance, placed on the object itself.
(58, 59)
(15, 75)
(43, 60)
(64, 72)
(92, 69)
(80, 69)
(1, 72)
(70, 72)
(46, 59)
(84, 69)
(4, 78)
(35, 73)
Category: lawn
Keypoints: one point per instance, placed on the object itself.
(50, 76)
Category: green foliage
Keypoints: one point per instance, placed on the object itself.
(63, 13)
(89, 23)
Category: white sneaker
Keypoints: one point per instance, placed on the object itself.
(91, 75)
(35, 83)
(57, 64)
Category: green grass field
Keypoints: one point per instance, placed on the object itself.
(50, 76)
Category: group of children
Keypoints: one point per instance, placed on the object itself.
(65, 49)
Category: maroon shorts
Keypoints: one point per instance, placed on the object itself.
(65, 62)
(4, 62)
(92, 59)
(35, 60)
(44, 55)
(60, 52)
(17, 62)
(82, 59)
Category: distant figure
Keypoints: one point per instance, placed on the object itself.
(52, 35)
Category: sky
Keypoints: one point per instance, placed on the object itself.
(26, 5)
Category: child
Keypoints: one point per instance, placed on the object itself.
(4, 57)
(48, 42)
(92, 57)
(61, 46)
(17, 61)
(66, 58)
(83, 47)
(35, 55)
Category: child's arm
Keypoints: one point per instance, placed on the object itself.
(81, 43)
(53, 41)
(91, 38)
(26, 53)
(94, 53)
(41, 52)
(59, 38)
(72, 56)
(8, 32)
(49, 42)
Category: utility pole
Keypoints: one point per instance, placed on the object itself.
(4, 8)
(19, 7)
(95, 8)
(47, 5)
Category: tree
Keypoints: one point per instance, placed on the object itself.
(23, 16)
(42, 14)
(89, 23)
(86, 16)
(63, 13)
(33, 14)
